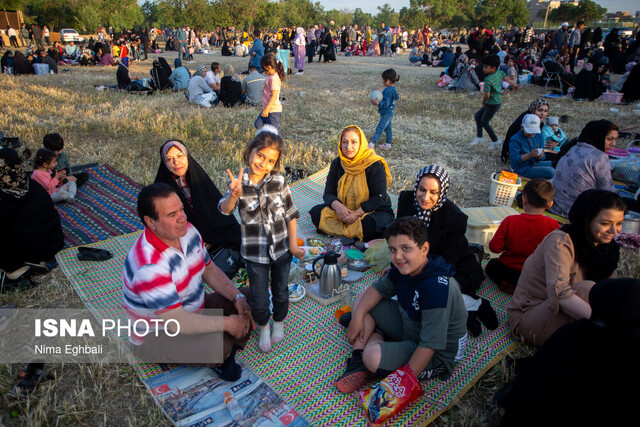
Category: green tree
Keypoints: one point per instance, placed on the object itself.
(388, 15)
(588, 10)
(300, 13)
(496, 13)
(412, 18)
(12, 4)
(151, 13)
(565, 12)
(362, 19)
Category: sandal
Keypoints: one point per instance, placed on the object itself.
(93, 254)
(30, 378)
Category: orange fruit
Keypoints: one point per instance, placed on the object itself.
(300, 242)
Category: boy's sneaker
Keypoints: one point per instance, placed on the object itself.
(354, 377)
(385, 146)
(494, 144)
(476, 141)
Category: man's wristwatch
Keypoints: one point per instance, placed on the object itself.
(237, 297)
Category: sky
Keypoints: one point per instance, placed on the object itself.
(371, 6)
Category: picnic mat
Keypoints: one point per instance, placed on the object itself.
(302, 368)
(105, 207)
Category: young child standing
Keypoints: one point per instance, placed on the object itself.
(385, 108)
(492, 99)
(269, 230)
(271, 106)
(44, 162)
(426, 327)
(519, 235)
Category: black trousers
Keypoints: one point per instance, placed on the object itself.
(505, 277)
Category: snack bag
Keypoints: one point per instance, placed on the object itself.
(391, 395)
(508, 177)
(377, 254)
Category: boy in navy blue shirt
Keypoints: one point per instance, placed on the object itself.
(385, 108)
(426, 327)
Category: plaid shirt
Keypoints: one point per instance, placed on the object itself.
(265, 211)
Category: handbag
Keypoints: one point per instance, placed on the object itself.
(228, 260)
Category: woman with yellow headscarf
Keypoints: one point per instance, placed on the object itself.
(356, 204)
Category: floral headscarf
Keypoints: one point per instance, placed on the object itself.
(14, 182)
(537, 103)
(442, 176)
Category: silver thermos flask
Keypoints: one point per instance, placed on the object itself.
(330, 277)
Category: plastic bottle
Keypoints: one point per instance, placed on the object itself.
(233, 406)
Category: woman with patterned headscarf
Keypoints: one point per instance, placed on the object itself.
(199, 90)
(447, 225)
(539, 107)
(31, 229)
(356, 204)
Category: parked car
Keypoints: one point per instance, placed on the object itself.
(70, 35)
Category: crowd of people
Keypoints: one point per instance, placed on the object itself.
(420, 312)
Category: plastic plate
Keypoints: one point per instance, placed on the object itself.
(296, 292)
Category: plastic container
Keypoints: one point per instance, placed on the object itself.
(41, 69)
(612, 97)
(634, 147)
(233, 406)
(501, 193)
(483, 223)
(481, 86)
(618, 152)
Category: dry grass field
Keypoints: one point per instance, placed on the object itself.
(431, 125)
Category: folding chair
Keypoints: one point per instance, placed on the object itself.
(550, 76)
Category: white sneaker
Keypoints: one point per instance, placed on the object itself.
(494, 144)
(476, 141)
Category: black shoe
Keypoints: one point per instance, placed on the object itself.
(29, 379)
(345, 319)
(355, 375)
(487, 315)
(93, 254)
(473, 325)
(229, 370)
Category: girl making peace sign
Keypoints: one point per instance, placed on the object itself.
(269, 230)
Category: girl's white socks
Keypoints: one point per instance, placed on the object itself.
(278, 332)
(264, 342)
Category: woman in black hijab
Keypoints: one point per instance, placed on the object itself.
(199, 196)
(165, 65)
(31, 229)
(631, 87)
(556, 279)
(587, 86)
(225, 49)
(159, 76)
(21, 65)
(584, 373)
